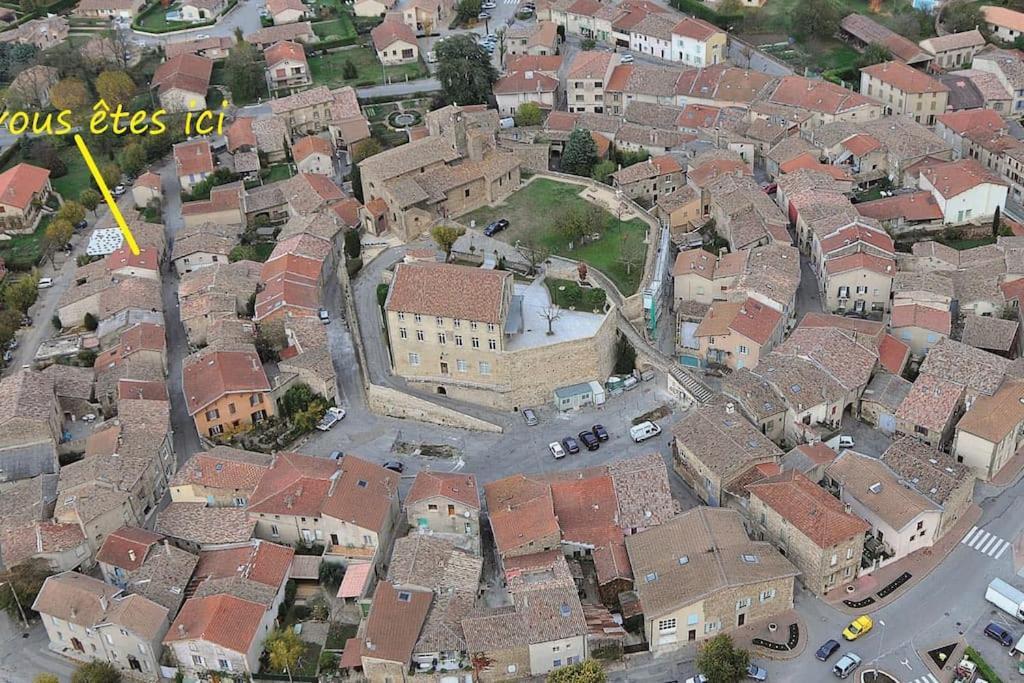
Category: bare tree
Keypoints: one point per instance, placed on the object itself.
(631, 253)
(551, 314)
(534, 252)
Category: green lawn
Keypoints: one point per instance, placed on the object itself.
(278, 172)
(327, 69)
(335, 28)
(308, 662)
(532, 212)
(961, 245)
(157, 20)
(22, 252)
(78, 178)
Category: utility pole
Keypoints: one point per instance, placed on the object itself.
(17, 602)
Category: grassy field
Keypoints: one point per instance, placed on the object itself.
(308, 661)
(218, 77)
(22, 252)
(157, 21)
(335, 28)
(961, 245)
(532, 212)
(71, 184)
(327, 69)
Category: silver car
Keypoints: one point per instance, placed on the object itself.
(530, 417)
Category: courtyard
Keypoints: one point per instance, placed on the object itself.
(328, 69)
(533, 213)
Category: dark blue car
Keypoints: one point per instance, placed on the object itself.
(495, 227)
(571, 446)
(827, 650)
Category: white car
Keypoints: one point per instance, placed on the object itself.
(332, 417)
(45, 283)
(431, 57)
(324, 316)
(626, 58)
(846, 441)
(556, 450)
(488, 5)
(88, 418)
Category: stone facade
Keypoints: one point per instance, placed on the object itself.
(506, 665)
(444, 515)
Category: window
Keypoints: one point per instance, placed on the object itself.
(742, 604)
(461, 365)
(212, 414)
(439, 320)
(419, 335)
(441, 338)
(401, 316)
(711, 627)
(832, 562)
(849, 553)
(414, 359)
(432, 508)
(403, 333)
(742, 350)
(198, 661)
(844, 292)
(231, 409)
(920, 526)
(472, 325)
(485, 368)
(240, 502)
(511, 668)
(255, 399)
(224, 664)
(456, 323)
(767, 595)
(667, 625)
(404, 596)
(692, 620)
(921, 430)
(862, 290)
(492, 344)
(274, 531)
(848, 572)
(458, 340)
(475, 342)
(417, 318)
(555, 648)
(490, 327)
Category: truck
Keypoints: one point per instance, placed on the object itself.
(1006, 597)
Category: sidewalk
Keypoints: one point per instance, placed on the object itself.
(919, 564)
(759, 629)
(1009, 472)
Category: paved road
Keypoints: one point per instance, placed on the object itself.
(22, 658)
(245, 15)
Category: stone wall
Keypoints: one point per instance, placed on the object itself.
(394, 403)
(721, 605)
(532, 156)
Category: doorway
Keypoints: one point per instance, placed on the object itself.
(741, 619)
(442, 391)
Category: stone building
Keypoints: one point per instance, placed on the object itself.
(444, 503)
(811, 527)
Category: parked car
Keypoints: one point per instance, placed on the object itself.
(45, 283)
(119, 190)
(324, 316)
(644, 431)
(496, 227)
(556, 450)
(858, 627)
(8, 356)
(82, 224)
(89, 417)
(530, 417)
(699, 678)
(846, 441)
(332, 417)
(846, 664)
(600, 432)
(589, 440)
(1000, 634)
(488, 5)
(394, 466)
(483, 16)
(756, 673)
(829, 648)
(571, 445)
(626, 58)
(431, 57)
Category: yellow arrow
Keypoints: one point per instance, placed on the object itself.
(118, 218)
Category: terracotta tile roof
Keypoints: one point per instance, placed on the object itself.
(837, 352)
(1003, 17)
(225, 468)
(187, 72)
(811, 510)
(590, 65)
(868, 31)
(449, 291)
(933, 473)
(818, 453)
(861, 144)
(127, 547)
(861, 475)
(433, 563)
(193, 158)
(717, 437)
(953, 178)
(260, 561)
(994, 417)
(22, 182)
(521, 512)
(820, 96)
(904, 78)
(858, 233)
(969, 120)
(460, 488)
(88, 602)
(525, 82)
(861, 260)
(714, 545)
(207, 377)
(276, 7)
(953, 41)
(753, 320)
(223, 620)
(913, 206)
(925, 317)
(199, 524)
(698, 29)
(311, 144)
(286, 50)
(549, 64)
(301, 31)
(810, 161)
(893, 354)
(722, 82)
(979, 371)
(931, 402)
(391, 31)
(642, 490)
(394, 623)
(991, 334)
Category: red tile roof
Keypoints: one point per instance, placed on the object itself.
(394, 623)
(858, 233)
(697, 29)
(311, 144)
(146, 259)
(525, 82)
(915, 315)
(240, 134)
(223, 620)
(956, 177)
(893, 354)
(877, 264)
(861, 144)
(521, 512)
(285, 50)
(903, 77)
(213, 375)
(127, 547)
(1013, 290)
(967, 120)
(194, 157)
(544, 63)
(756, 321)
(697, 116)
(140, 389)
(18, 185)
(391, 31)
(449, 291)
(260, 561)
(458, 487)
(820, 96)
(809, 161)
(187, 72)
(913, 206)
(589, 65)
(812, 510)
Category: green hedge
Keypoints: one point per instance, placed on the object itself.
(983, 667)
(702, 11)
(583, 298)
(324, 45)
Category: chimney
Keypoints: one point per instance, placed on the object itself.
(181, 630)
(167, 547)
(103, 603)
(131, 554)
(730, 408)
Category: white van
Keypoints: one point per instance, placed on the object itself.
(45, 282)
(644, 431)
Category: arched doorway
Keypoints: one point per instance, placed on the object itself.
(442, 391)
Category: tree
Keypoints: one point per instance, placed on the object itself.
(243, 72)
(996, 219)
(90, 199)
(465, 69)
(729, 8)
(603, 170)
(815, 18)
(529, 114)
(587, 671)
(121, 47)
(21, 295)
(111, 174)
(26, 579)
(875, 53)
(319, 608)
(580, 153)
(96, 671)
(625, 356)
(283, 650)
(90, 322)
(502, 46)
(46, 678)
(296, 399)
(468, 10)
(353, 244)
(721, 661)
(362, 150)
(27, 6)
(115, 87)
(70, 211)
(348, 70)
(550, 314)
(588, 43)
(572, 223)
(70, 93)
(962, 16)
(57, 234)
(631, 253)
(534, 251)
(445, 236)
(133, 158)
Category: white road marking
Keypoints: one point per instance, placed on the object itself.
(992, 541)
(1002, 550)
(979, 540)
(970, 533)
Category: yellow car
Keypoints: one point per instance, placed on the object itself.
(858, 627)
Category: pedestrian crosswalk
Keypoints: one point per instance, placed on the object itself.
(510, 2)
(985, 543)
(925, 679)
